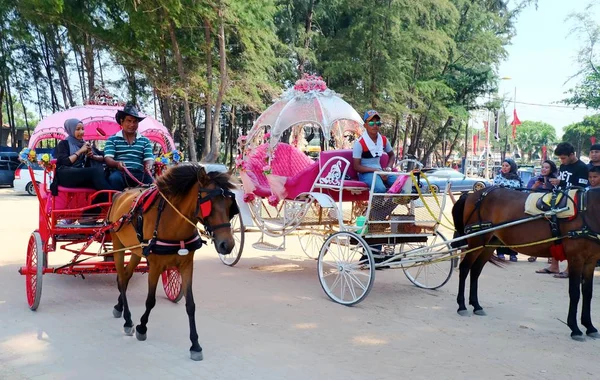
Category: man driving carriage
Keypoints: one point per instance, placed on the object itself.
(367, 152)
(128, 153)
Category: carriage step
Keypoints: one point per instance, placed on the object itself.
(264, 246)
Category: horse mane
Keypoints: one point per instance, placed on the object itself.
(178, 180)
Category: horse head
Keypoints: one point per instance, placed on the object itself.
(203, 197)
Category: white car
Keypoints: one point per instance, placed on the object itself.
(23, 181)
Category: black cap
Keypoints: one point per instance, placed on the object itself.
(595, 147)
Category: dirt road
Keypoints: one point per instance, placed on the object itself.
(267, 318)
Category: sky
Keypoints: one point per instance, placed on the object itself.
(542, 58)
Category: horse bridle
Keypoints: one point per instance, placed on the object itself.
(204, 207)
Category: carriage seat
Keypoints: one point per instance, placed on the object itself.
(351, 178)
(297, 169)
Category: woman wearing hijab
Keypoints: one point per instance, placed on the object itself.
(76, 161)
(508, 177)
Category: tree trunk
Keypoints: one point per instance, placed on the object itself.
(307, 29)
(88, 63)
(216, 127)
(45, 52)
(10, 113)
(25, 115)
(207, 151)
(80, 71)
(186, 104)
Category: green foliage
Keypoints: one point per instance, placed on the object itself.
(579, 134)
(532, 135)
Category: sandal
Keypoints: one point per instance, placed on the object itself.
(546, 271)
(561, 275)
(532, 259)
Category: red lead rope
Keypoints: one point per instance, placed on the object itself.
(135, 179)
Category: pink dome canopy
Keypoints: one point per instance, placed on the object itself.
(99, 122)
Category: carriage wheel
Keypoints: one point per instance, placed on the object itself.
(171, 280)
(36, 258)
(238, 229)
(346, 268)
(311, 241)
(435, 269)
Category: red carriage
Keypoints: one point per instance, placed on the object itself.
(60, 216)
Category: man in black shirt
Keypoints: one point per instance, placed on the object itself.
(572, 171)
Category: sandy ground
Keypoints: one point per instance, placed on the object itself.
(268, 318)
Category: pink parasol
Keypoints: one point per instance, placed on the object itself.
(99, 122)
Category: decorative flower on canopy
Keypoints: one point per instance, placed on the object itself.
(310, 83)
(29, 157)
(103, 97)
(170, 158)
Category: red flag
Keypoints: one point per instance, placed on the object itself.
(475, 138)
(544, 152)
(593, 139)
(514, 123)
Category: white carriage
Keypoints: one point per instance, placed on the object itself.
(339, 220)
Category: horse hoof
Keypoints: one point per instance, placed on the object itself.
(128, 330)
(594, 335)
(196, 356)
(463, 313)
(480, 312)
(140, 337)
(117, 313)
(578, 338)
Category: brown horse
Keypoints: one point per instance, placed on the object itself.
(164, 217)
(499, 206)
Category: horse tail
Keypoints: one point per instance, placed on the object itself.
(458, 214)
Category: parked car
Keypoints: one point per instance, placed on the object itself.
(492, 171)
(460, 182)
(23, 181)
(526, 172)
(7, 172)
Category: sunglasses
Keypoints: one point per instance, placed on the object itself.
(377, 123)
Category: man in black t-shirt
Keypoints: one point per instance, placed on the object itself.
(572, 171)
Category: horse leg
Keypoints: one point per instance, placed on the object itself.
(186, 270)
(586, 292)
(134, 260)
(153, 275)
(575, 269)
(464, 268)
(119, 266)
(476, 269)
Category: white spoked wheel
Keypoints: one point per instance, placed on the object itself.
(311, 241)
(171, 280)
(238, 229)
(346, 268)
(434, 268)
(34, 264)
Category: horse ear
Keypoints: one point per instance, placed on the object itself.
(202, 175)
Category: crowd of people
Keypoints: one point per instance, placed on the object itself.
(571, 173)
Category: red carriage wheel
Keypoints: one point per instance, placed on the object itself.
(171, 279)
(34, 264)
